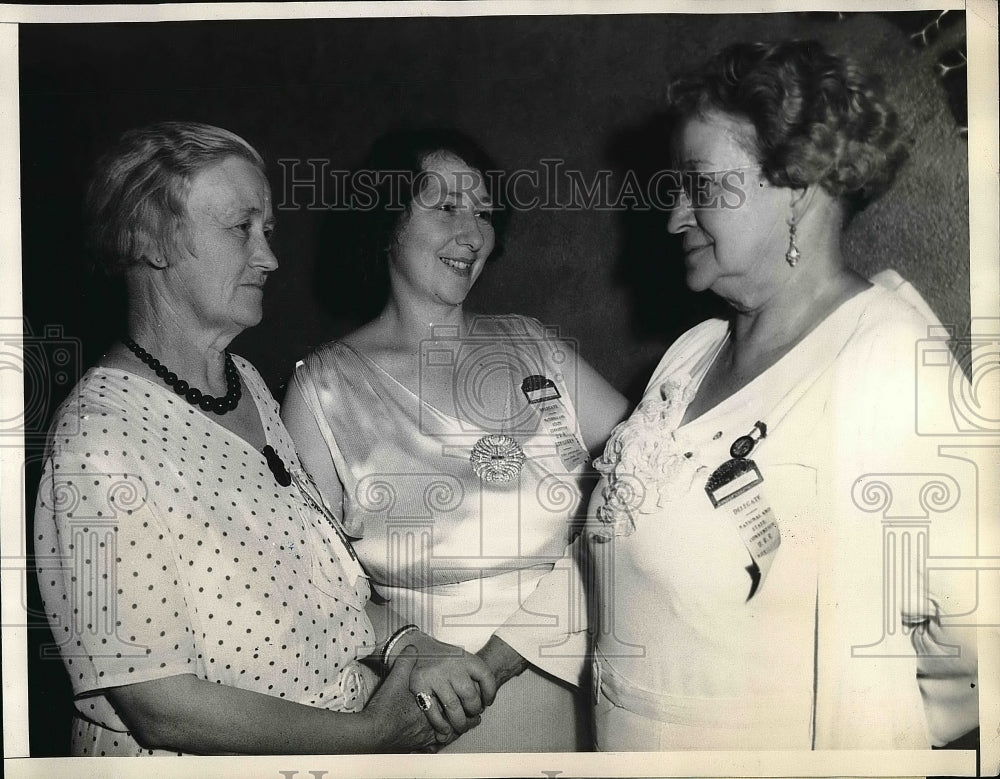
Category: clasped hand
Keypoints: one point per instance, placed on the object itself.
(457, 685)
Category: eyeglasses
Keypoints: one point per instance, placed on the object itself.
(725, 189)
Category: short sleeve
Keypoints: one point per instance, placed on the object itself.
(108, 575)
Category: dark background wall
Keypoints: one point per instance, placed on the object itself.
(583, 89)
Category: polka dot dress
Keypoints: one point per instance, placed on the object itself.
(166, 546)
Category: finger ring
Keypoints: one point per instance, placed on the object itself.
(424, 701)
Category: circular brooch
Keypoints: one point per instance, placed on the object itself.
(497, 458)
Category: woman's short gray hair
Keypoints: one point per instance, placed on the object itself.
(137, 196)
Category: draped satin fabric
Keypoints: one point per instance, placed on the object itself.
(451, 553)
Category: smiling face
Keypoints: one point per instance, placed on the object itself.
(224, 257)
(737, 252)
(443, 243)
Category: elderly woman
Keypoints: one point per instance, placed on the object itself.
(738, 577)
(456, 444)
(212, 604)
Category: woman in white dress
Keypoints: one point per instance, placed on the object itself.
(455, 446)
(738, 568)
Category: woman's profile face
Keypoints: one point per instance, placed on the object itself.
(733, 222)
(223, 251)
(443, 243)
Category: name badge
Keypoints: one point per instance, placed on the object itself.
(732, 479)
(544, 395)
(538, 389)
(734, 489)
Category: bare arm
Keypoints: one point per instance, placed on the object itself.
(460, 681)
(188, 714)
(599, 406)
(311, 447)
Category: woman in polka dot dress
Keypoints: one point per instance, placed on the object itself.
(210, 603)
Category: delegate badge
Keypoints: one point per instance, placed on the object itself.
(544, 395)
(734, 488)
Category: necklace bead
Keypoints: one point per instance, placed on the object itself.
(218, 405)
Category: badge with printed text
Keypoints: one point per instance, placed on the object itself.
(734, 489)
(543, 394)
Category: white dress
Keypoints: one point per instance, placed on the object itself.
(820, 656)
(166, 546)
(450, 553)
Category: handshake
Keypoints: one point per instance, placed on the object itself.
(434, 692)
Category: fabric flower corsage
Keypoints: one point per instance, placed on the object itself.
(642, 463)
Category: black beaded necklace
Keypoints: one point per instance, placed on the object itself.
(193, 395)
(220, 406)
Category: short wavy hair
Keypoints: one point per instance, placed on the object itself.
(136, 200)
(819, 118)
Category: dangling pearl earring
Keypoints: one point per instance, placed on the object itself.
(793, 254)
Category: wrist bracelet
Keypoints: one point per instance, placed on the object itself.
(392, 641)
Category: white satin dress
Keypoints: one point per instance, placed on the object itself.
(451, 553)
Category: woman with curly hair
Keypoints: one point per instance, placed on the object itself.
(453, 444)
(738, 578)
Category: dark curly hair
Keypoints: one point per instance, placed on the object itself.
(404, 152)
(819, 118)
